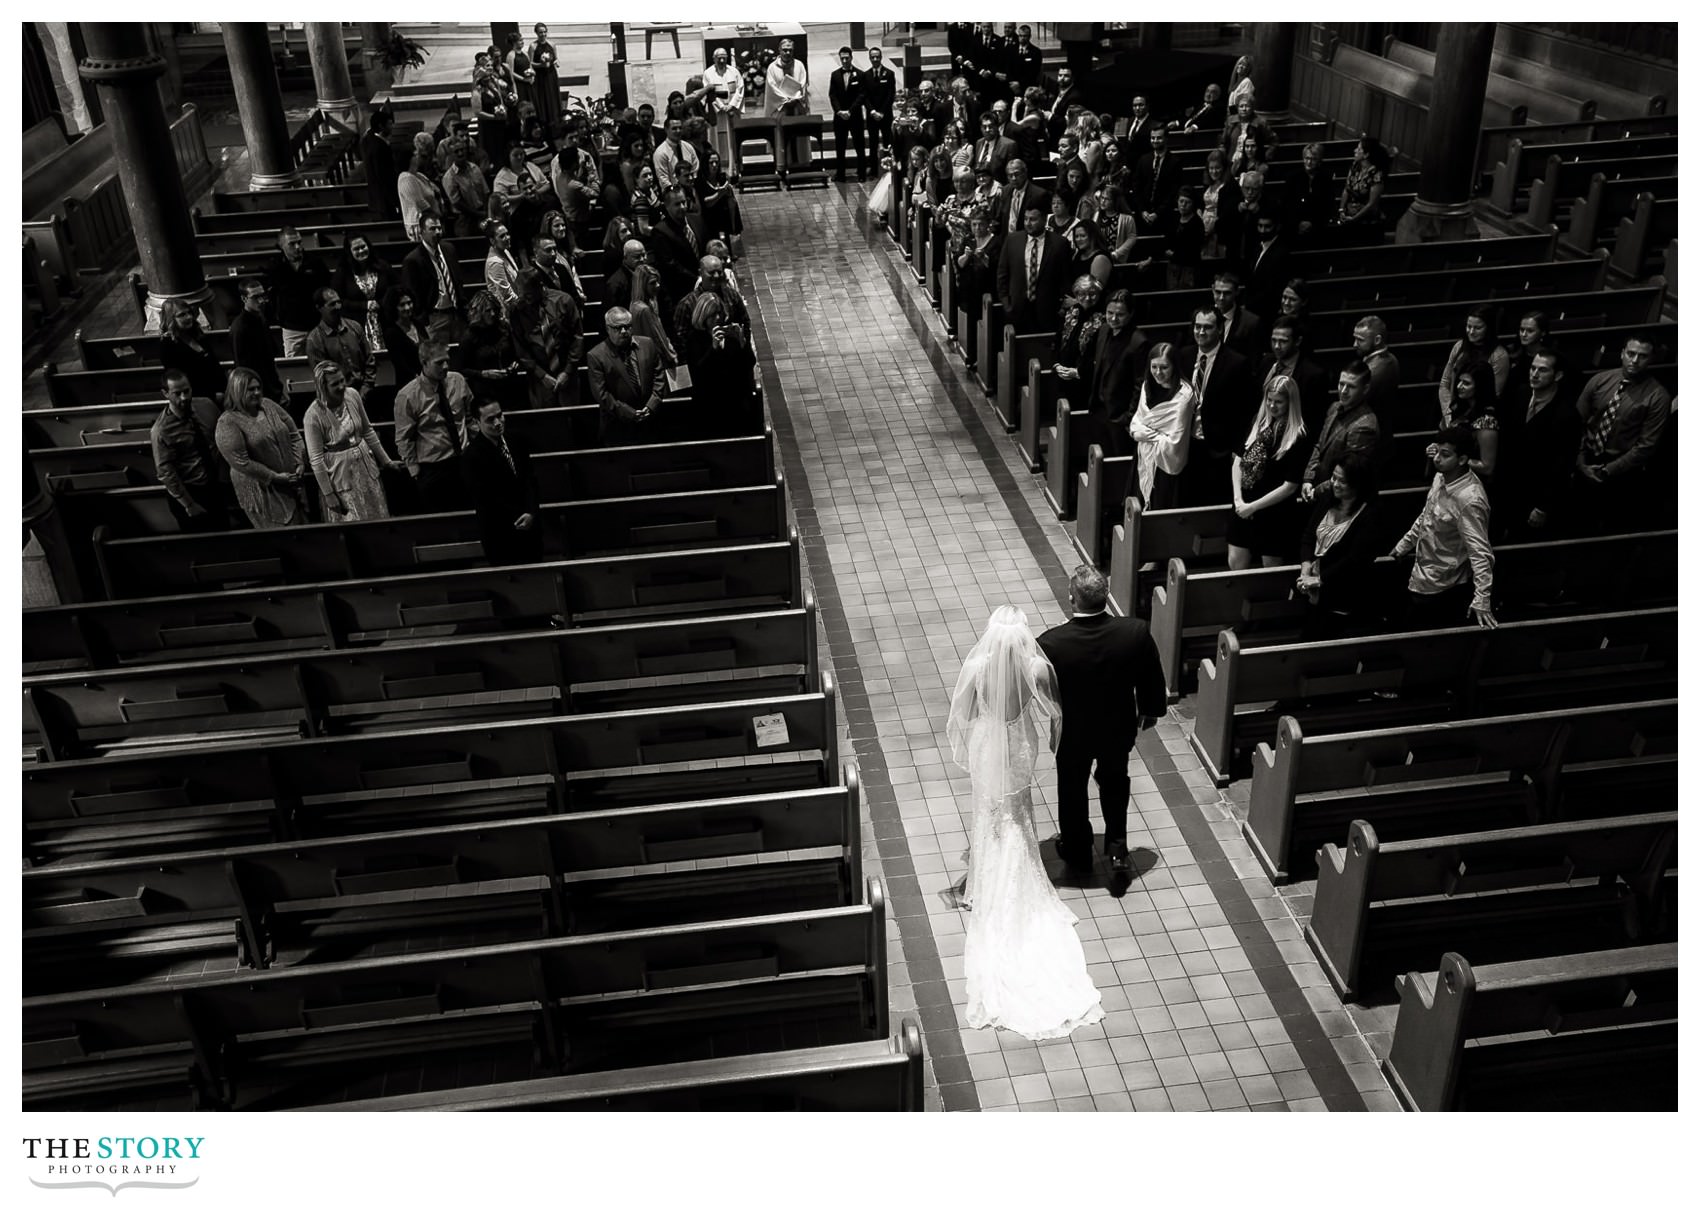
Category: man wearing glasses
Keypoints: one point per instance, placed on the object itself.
(252, 342)
(626, 381)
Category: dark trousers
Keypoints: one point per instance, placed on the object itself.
(879, 135)
(1074, 822)
(441, 486)
(1207, 478)
(853, 127)
(1448, 609)
(214, 499)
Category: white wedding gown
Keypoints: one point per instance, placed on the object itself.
(1025, 968)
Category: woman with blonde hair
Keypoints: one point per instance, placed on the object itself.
(1268, 467)
(646, 322)
(1239, 83)
(344, 451)
(263, 448)
(1161, 429)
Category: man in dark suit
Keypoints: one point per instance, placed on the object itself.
(845, 92)
(503, 488)
(1227, 400)
(1032, 274)
(1242, 328)
(1109, 684)
(617, 289)
(1019, 193)
(992, 150)
(675, 247)
(966, 106)
(932, 109)
(879, 97)
(1538, 443)
(379, 160)
(1028, 61)
(432, 276)
(1140, 124)
(1119, 358)
(626, 381)
(1156, 179)
(1056, 118)
(1267, 267)
(1286, 356)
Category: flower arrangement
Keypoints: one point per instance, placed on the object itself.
(400, 53)
(753, 64)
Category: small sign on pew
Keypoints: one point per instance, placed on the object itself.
(771, 731)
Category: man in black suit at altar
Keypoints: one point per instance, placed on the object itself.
(1109, 685)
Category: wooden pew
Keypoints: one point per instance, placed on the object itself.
(1384, 908)
(300, 197)
(1496, 144)
(1577, 51)
(1464, 671)
(1643, 235)
(988, 330)
(90, 924)
(1592, 1032)
(1455, 775)
(574, 593)
(1527, 154)
(1098, 502)
(1562, 181)
(334, 551)
(1010, 374)
(1065, 460)
(1542, 104)
(1606, 200)
(417, 683)
(1037, 411)
(864, 1076)
(618, 998)
(333, 215)
(1556, 577)
(381, 233)
(1377, 259)
(234, 793)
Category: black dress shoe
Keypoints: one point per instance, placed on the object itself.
(1074, 862)
(1121, 869)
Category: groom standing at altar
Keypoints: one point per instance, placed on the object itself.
(1109, 683)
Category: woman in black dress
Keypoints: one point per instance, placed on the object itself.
(1268, 467)
(363, 279)
(490, 101)
(1184, 230)
(722, 372)
(183, 347)
(719, 201)
(403, 333)
(487, 355)
(547, 80)
(1337, 551)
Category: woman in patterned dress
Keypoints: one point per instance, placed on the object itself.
(363, 279)
(263, 448)
(344, 450)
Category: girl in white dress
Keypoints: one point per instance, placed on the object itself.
(1025, 967)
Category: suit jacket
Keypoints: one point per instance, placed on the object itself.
(1028, 63)
(620, 391)
(1313, 389)
(671, 253)
(995, 151)
(1138, 137)
(1041, 315)
(1058, 118)
(1154, 188)
(1245, 334)
(617, 288)
(879, 91)
(1116, 379)
(1266, 273)
(500, 494)
(379, 160)
(1310, 199)
(935, 118)
(1229, 400)
(419, 275)
(1537, 456)
(1108, 676)
(844, 90)
(1033, 195)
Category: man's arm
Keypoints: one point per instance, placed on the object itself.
(1473, 526)
(407, 427)
(165, 468)
(1151, 687)
(657, 379)
(1408, 540)
(1639, 455)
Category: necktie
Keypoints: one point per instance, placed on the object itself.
(447, 414)
(1599, 425)
(509, 456)
(1200, 372)
(690, 235)
(1032, 268)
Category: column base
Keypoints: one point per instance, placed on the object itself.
(272, 181)
(1426, 222)
(343, 110)
(199, 296)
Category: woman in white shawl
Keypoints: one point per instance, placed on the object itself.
(1162, 429)
(1024, 965)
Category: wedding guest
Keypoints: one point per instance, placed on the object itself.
(722, 370)
(294, 276)
(378, 159)
(1161, 430)
(503, 487)
(1248, 140)
(1089, 256)
(1360, 200)
(467, 191)
(1310, 194)
(548, 337)
(717, 202)
(431, 418)
(527, 189)
(343, 450)
(1542, 437)
(432, 276)
(1349, 428)
(626, 380)
(1106, 210)
(252, 342)
(1337, 551)
(1451, 578)
(500, 268)
(1480, 343)
(403, 334)
(264, 451)
(1473, 406)
(183, 347)
(487, 354)
(362, 280)
(1267, 470)
(1077, 335)
(419, 197)
(183, 439)
(341, 341)
(1183, 228)
(1220, 209)
(1624, 413)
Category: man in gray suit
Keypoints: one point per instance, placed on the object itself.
(626, 381)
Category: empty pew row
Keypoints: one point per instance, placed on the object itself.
(1587, 1032)
(1519, 893)
(1529, 157)
(1541, 104)
(1189, 610)
(1508, 145)
(250, 1040)
(379, 547)
(235, 793)
(1644, 236)
(1596, 215)
(1552, 195)
(1243, 691)
(365, 611)
(279, 904)
(1451, 776)
(422, 682)
(565, 470)
(866, 1076)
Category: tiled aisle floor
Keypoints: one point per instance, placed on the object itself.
(915, 528)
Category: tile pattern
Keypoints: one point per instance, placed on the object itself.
(916, 523)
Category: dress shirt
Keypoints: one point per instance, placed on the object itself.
(182, 449)
(422, 434)
(468, 192)
(1642, 412)
(667, 162)
(346, 346)
(1450, 536)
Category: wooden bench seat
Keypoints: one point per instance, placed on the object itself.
(1553, 194)
(1531, 580)
(296, 197)
(584, 1003)
(1540, 103)
(1384, 908)
(309, 787)
(421, 682)
(261, 239)
(1528, 156)
(338, 214)
(1643, 236)
(1466, 671)
(1594, 1032)
(864, 1076)
(1373, 259)
(93, 923)
(1505, 147)
(575, 593)
(1447, 776)
(1604, 200)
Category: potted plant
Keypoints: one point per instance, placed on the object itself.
(401, 53)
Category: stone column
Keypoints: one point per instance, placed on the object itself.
(123, 70)
(374, 36)
(1442, 210)
(330, 73)
(265, 128)
(1272, 65)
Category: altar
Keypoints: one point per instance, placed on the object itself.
(737, 39)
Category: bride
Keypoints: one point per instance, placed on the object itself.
(1025, 967)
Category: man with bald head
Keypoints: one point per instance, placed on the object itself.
(711, 279)
(617, 291)
(626, 381)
